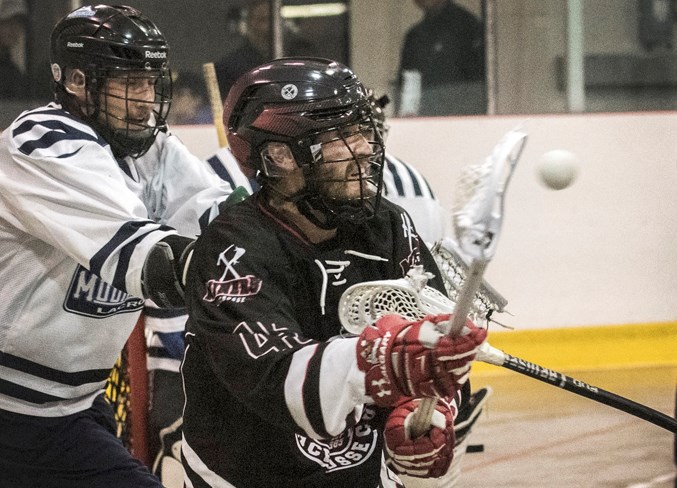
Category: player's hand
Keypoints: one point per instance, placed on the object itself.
(429, 455)
(414, 359)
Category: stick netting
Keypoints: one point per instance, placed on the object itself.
(454, 272)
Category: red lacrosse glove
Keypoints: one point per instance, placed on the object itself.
(429, 455)
(414, 359)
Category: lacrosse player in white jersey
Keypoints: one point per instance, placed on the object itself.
(92, 188)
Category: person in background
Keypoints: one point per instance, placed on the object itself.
(442, 64)
(256, 47)
(277, 392)
(189, 100)
(13, 16)
(92, 189)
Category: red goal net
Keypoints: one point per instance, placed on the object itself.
(127, 391)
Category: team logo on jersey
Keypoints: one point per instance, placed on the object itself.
(89, 295)
(231, 286)
(349, 449)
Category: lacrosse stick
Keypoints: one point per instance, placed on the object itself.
(364, 303)
(477, 219)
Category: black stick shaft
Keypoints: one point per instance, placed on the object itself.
(592, 392)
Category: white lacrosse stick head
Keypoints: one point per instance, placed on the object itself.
(478, 211)
(364, 303)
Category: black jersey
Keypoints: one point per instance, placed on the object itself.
(274, 397)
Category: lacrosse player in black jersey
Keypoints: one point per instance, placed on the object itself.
(93, 188)
(277, 395)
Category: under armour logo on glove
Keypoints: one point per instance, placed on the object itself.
(414, 359)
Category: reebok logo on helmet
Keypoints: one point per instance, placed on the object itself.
(156, 54)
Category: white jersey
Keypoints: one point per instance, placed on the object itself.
(76, 225)
(406, 186)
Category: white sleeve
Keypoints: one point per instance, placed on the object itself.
(60, 183)
(188, 188)
(341, 387)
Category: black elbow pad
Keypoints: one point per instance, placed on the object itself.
(164, 271)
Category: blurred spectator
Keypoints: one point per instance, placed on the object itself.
(442, 64)
(13, 15)
(256, 45)
(189, 100)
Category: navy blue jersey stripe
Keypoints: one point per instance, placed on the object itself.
(26, 394)
(221, 170)
(223, 173)
(51, 112)
(122, 164)
(119, 280)
(123, 233)
(173, 343)
(414, 180)
(432, 195)
(66, 378)
(59, 131)
(311, 391)
(396, 178)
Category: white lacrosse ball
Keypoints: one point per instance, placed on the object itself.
(557, 169)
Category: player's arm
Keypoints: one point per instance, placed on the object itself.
(72, 195)
(188, 193)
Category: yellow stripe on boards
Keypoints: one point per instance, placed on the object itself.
(595, 347)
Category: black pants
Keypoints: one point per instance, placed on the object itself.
(76, 451)
(166, 404)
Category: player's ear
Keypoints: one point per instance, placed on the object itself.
(278, 161)
(75, 83)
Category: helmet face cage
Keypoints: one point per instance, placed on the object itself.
(126, 135)
(352, 193)
(115, 47)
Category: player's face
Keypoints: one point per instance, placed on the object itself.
(347, 172)
(128, 102)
